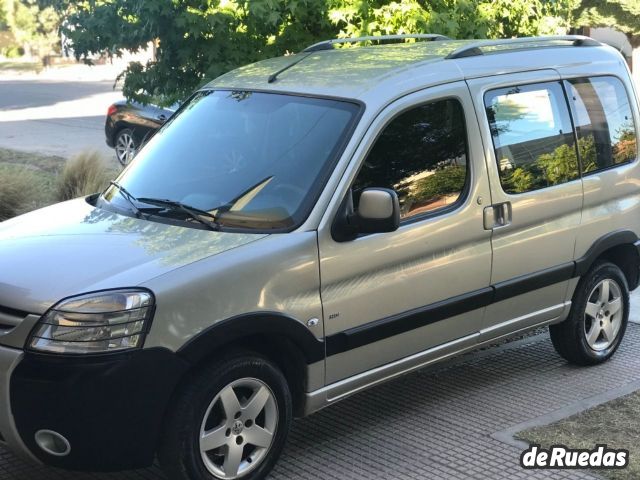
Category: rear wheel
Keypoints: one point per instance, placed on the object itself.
(230, 421)
(125, 146)
(598, 318)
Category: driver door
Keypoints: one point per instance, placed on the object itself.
(389, 296)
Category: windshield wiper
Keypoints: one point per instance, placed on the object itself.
(253, 189)
(193, 212)
(128, 197)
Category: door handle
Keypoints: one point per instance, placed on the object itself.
(497, 216)
(162, 117)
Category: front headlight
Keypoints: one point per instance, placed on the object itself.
(107, 321)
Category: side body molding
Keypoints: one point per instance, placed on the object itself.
(312, 349)
(256, 323)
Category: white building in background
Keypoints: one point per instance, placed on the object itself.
(618, 40)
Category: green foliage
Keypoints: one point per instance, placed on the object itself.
(442, 182)
(626, 149)
(588, 154)
(197, 40)
(560, 166)
(3, 17)
(553, 168)
(35, 28)
(82, 175)
(520, 180)
(623, 15)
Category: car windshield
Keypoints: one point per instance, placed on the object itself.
(252, 160)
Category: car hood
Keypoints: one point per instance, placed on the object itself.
(73, 247)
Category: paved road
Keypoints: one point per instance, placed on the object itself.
(55, 116)
(453, 422)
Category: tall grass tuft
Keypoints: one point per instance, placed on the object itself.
(83, 175)
(15, 191)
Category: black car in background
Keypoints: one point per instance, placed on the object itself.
(130, 124)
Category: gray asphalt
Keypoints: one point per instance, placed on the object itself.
(54, 116)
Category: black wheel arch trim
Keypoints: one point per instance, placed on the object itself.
(601, 245)
(235, 328)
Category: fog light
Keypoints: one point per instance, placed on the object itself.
(53, 443)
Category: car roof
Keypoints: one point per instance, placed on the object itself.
(375, 74)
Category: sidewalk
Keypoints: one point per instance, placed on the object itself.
(59, 112)
(446, 423)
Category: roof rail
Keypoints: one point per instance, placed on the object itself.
(328, 44)
(475, 49)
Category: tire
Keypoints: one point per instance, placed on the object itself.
(596, 325)
(234, 384)
(125, 145)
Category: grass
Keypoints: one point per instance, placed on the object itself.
(615, 423)
(20, 67)
(82, 175)
(31, 180)
(31, 177)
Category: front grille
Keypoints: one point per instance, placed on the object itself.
(10, 318)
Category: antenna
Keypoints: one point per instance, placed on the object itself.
(274, 76)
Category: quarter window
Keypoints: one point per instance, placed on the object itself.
(604, 122)
(532, 136)
(422, 155)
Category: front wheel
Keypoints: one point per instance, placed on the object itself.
(229, 421)
(598, 318)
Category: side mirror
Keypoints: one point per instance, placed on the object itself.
(378, 212)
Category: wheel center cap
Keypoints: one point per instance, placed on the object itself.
(237, 427)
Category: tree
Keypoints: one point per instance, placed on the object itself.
(197, 40)
(3, 17)
(34, 27)
(622, 15)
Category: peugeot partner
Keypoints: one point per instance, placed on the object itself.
(309, 226)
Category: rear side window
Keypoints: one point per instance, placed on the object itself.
(422, 155)
(604, 122)
(532, 136)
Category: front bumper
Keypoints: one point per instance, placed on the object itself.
(9, 436)
(109, 407)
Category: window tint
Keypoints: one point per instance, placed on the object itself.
(604, 122)
(422, 155)
(532, 136)
(254, 160)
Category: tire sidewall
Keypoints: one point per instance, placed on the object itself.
(118, 135)
(239, 367)
(598, 273)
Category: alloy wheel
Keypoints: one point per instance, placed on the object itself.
(238, 428)
(603, 314)
(125, 148)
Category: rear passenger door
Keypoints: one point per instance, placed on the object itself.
(536, 196)
(606, 124)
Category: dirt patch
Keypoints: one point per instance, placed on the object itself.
(615, 423)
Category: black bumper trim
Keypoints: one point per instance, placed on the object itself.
(109, 407)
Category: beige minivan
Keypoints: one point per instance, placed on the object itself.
(309, 226)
